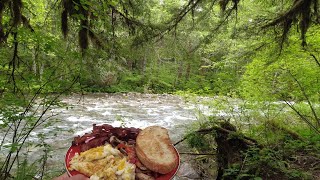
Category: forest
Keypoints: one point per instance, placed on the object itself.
(263, 55)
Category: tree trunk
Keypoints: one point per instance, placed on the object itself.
(144, 64)
(230, 148)
(179, 74)
(188, 70)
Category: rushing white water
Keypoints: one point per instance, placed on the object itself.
(130, 110)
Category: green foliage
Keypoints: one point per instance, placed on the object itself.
(273, 76)
(264, 164)
(26, 170)
(286, 141)
(159, 86)
(198, 141)
(131, 83)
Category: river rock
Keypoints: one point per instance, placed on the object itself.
(186, 171)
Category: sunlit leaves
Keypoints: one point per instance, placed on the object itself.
(276, 76)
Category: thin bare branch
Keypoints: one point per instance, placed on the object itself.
(307, 99)
(315, 59)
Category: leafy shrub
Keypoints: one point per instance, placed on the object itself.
(284, 77)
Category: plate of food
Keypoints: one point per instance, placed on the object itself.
(123, 153)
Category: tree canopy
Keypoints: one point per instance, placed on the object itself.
(89, 16)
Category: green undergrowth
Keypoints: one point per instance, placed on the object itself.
(284, 151)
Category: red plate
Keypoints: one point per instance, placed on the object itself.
(76, 149)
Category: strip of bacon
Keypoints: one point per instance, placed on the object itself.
(101, 134)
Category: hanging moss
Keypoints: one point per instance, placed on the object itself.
(16, 8)
(83, 35)
(26, 23)
(76, 10)
(64, 23)
(16, 17)
(224, 3)
(301, 12)
(2, 35)
(80, 12)
(94, 39)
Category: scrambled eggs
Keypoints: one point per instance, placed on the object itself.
(103, 162)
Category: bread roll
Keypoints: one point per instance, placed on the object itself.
(155, 151)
